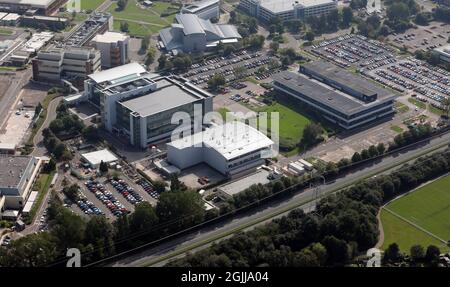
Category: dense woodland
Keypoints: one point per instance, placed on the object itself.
(343, 226)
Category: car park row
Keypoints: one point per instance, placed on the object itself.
(127, 191)
(107, 198)
(148, 187)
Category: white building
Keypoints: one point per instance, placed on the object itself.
(17, 176)
(206, 9)
(193, 34)
(286, 10)
(96, 157)
(444, 53)
(230, 148)
(113, 47)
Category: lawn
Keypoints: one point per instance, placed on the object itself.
(436, 111)
(4, 31)
(401, 108)
(417, 103)
(427, 207)
(42, 185)
(141, 21)
(86, 4)
(397, 129)
(291, 123)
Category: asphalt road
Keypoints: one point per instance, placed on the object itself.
(39, 149)
(175, 248)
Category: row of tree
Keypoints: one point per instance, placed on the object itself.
(343, 226)
(96, 238)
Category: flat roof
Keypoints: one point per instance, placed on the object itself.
(231, 140)
(239, 185)
(346, 78)
(11, 16)
(118, 72)
(444, 49)
(36, 3)
(96, 157)
(195, 6)
(110, 37)
(279, 6)
(165, 97)
(324, 94)
(12, 169)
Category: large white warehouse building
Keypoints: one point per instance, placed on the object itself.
(230, 149)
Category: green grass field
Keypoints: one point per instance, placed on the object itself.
(90, 4)
(427, 207)
(291, 123)
(417, 103)
(4, 31)
(397, 129)
(141, 21)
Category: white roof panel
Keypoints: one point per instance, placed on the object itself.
(230, 140)
(117, 72)
(96, 157)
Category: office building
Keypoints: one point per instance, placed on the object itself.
(206, 9)
(68, 63)
(52, 23)
(231, 148)
(193, 34)
(113, 47)
(286, 10)
(96, 24)
(443, 53)
(139, 105)
(341, 97)
(42, 7)
(17, 176)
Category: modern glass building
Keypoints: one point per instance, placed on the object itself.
(140, 105)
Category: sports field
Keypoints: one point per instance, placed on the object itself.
(142, 21)
(420, 217)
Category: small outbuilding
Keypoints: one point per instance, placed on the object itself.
(95, 158)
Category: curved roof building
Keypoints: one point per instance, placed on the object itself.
(193, 34)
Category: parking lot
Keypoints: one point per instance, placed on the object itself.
(247, 62)
(377, 61)
(354, 51)
(430, 84)
(422, 37)
(16, 127)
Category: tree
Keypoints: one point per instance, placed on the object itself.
(145, 43)
(392, 253)
(397, 12)
(103, 168)
(421, 19)
(186, 207)
(71, 192)
(216, 82)
(274, 47)
(446, 104)
(34, 250)
(347, 16)
(365, 154)
(309, 36)
(124, 26)
(50, 166)
(417, 253)
(305, 258)
(432, 255)
(381, 148)
(311, 134)
(151, 53)
(121, 5)
(373, 151)
(160, 186)
(99, 233)
(356, 157)
(162, 61)
(143, 218)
